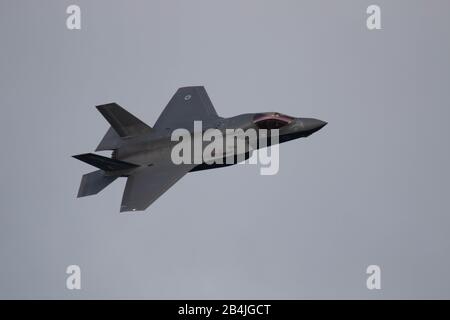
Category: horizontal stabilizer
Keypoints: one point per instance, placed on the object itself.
(104, 163)
(123, 122)
(93, 183)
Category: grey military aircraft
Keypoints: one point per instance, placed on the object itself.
(142, 153)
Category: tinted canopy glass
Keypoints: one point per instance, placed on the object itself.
(272, 120)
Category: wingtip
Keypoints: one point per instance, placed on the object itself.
(191, 87)
(125, 209)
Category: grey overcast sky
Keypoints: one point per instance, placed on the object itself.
(372, 187)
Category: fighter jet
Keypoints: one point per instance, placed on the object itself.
(142, 154)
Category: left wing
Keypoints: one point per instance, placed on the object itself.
(147, 184)
(187, 105)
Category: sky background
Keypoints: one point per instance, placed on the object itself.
(372, 187)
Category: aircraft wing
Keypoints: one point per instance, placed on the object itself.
(187, 105)
(147, 184)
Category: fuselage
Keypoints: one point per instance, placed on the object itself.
(148, 148)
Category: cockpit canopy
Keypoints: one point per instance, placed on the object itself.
(271, 120)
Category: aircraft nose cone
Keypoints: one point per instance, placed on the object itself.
(310, 125)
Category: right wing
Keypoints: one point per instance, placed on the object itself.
(187, 105)
(147, 184)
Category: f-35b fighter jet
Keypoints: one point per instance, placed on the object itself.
(142, 153)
